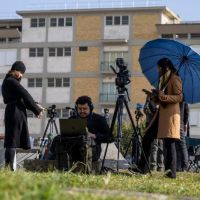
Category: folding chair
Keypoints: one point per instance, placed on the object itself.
(193, 145)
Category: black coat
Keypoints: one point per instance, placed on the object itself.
(18, 100)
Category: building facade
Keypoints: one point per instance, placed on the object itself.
(68, 53)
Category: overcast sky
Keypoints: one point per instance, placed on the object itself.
(188, 10)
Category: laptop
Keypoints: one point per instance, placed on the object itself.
(72, 127)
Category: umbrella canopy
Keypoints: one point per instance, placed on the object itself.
(185, 60)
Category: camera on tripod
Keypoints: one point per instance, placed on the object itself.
(123, 74)
(72, 111)
(51, 111)
(138, 112)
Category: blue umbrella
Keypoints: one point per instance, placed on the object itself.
(184, 59)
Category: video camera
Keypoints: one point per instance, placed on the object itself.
(123, 74)
(138, 113)
(72, 111)
(51, 111)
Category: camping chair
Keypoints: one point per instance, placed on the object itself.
(193, 145)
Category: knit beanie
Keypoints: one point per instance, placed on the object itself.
(19, 66)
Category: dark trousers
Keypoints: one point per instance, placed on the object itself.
(10, 158)
(170, 159)
(147, 141)
(182, 153)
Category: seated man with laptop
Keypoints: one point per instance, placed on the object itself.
(85, 122)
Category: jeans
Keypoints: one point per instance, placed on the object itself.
(157, 156)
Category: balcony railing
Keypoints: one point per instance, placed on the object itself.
(108, 98)
(105, 67)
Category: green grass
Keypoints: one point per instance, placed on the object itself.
(55, 185)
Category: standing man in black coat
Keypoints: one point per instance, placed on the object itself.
(17, 100)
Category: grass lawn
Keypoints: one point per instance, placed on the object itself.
(55, 185)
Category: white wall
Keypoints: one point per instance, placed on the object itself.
(196, 48)
(2, 127)
(116, 32)
(7, 58)
(35, 92)
(115, 48)
(60, 34)
(58, 95)
(29, 34)
(1, 98)
(194, 119)
(33, 64)
(34, 125)
(59, 64)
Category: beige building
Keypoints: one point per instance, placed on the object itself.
(68, 53)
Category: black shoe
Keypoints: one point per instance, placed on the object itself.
(169, 174)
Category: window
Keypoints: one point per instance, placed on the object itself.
(181, 35)
(53, 22)
(40, 52)
(37, 22)
(52, 51)
(60, 52)
(60, 21)
(38, 82)
(31, 82)
(50, 82)
(32, 52)
(117, 20)
(34, 82)
(2, 40)
(67, 51)
(108, 92)
(83, 48)
(65, 113)
(169, 36)
(36, 52)
(125, 20)
(68, 21)
(110, 59)
(41, 22)
(30, 114)
(195, 35)
(66, 82)
(34, 22)
(109, 20)
(13, 39)
(58, 82)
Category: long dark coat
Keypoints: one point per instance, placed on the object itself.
(17, 100)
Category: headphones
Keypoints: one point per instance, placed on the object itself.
(83, 100)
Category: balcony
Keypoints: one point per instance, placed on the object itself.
(108, 98)
(105, 67)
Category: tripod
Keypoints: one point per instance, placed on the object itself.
(50, 125)
(118, 113)
(135, 140)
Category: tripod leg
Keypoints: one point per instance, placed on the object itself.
(119, 129)
(137, 134)
(111, 132)
(55, 126)
(45, 132)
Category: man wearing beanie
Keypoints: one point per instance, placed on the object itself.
(17, 100)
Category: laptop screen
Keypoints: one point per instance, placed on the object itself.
(72, 127)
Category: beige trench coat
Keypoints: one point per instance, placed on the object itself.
(169, 114)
